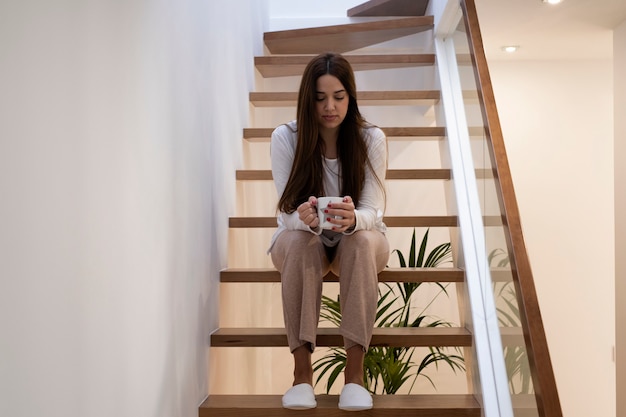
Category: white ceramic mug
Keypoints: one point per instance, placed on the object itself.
(322, 202)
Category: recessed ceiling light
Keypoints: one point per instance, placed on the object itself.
(510, 48)
(552, 1)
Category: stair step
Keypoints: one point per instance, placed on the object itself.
(263, 134)
(387, 275)
(512, 336)
(390, 8)
(448, 405)
(392, 174)
(344, 38)
(293, 65)
(366, 98)
(330, 336)
(390, 221)
(259, 275)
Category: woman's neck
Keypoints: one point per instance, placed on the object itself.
(330, 142)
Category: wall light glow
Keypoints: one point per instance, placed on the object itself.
(510, 48)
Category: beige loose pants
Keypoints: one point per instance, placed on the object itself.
(302, 261)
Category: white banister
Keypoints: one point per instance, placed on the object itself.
(493, 380)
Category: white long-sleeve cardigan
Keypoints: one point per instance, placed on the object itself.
(370, 209)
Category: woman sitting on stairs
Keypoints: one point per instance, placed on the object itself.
(329, 150)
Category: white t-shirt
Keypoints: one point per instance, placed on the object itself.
(369, 212)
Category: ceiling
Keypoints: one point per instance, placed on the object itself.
(574, 29)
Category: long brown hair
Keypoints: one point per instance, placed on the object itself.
(307, 171)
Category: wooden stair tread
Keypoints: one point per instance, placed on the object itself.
(259, 275)
(390, 221)
(392, 174)
(512, 336)
(449, 405)
(390, 8)
(263, 134)
(387, 275)
(293, 65)
(330, 336)
(344, 38)
(366, 98)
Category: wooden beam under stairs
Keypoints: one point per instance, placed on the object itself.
(330, 336)
(259, 275)
(344, 38)
(384, 406)
(392, 174)
(390, 221)
(293, 65)
(366, 98)
(263, 134)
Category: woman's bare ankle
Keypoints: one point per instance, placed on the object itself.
(353, 374)
(303, 369)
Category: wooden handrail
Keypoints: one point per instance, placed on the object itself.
(548, 403)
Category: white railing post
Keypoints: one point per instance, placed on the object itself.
(494, 388)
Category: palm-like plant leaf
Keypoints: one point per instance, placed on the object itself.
(420, 258)
(389, 319)
(334, 362)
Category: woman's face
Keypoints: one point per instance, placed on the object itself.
(331, 102)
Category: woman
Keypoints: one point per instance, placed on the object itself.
(329, 150)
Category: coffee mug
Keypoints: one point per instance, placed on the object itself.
(322, 202)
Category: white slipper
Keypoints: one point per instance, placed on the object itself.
(354, 398)
(299, 397)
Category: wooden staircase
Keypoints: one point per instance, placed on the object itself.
(291, 50)
(345, 38)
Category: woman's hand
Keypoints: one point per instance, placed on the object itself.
(308, 213)
(344, 209)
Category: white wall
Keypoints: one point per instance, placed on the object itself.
(619, 57)
(117, 122)
(279, 9)
(557, 121)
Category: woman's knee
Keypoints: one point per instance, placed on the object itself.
(296, 246)
(363, 246)
(366, 242)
